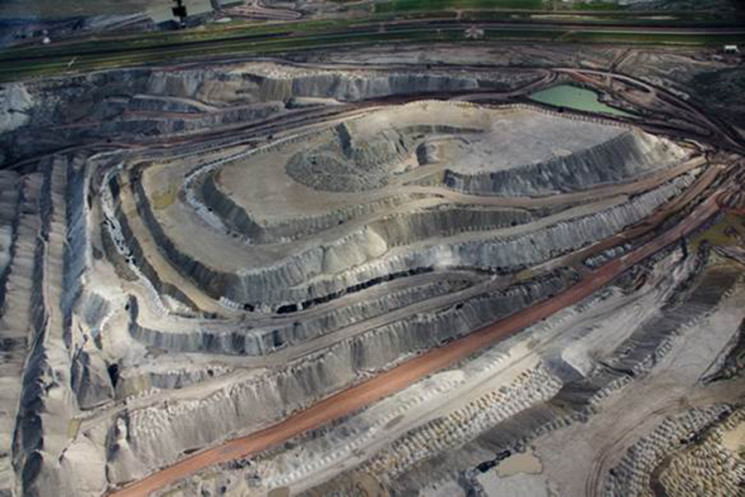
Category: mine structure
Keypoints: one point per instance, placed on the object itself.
(448, 269)
(180, 11)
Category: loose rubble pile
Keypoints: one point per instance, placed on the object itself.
(711, 466)
(704, 470)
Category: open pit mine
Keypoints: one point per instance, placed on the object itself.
(387, 273)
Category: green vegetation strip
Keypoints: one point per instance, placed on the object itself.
(407, 5)
(286, 38)
(653, 38)
(214, 32)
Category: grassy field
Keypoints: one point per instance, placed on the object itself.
(653, 38)
(594, 6)
(52, 9)
(408, 5)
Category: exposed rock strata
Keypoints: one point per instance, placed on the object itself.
(128, 344)
(285, 281)
(626, 156)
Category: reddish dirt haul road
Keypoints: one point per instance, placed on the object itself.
(396, 379)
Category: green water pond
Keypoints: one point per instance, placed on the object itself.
(574, 97)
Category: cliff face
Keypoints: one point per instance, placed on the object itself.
(618, 159)
(364, 255)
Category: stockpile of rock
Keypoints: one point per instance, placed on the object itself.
(709, 467)
(530, 387)
(633, 476)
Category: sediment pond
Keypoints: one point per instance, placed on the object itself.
(574, 97)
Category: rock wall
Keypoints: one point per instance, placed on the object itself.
(265, 340)
(94, 107)
(158, 434)
(629, 155)
(47, 403)
(351, 262)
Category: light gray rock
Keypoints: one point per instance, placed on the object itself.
(90, 380)
(15, 105)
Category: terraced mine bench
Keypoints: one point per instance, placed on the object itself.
(318, 278)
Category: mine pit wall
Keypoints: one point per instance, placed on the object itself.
(29, 431)
(77, 247)
(158, 435)
(629, 155)
(580, 399)
(188, 265)
(239, 221)
(264, 341)
(14, 322)
(700, 294)
(153, 125)
(546, 413)
(490, 424)
(694, 298)
(161, 104)
(47, 403)
(132, 382)
(49, 385)
(396, 230)
(120, 245)
(731, 364)
(404, 229)
(89, 378)
(453, 432)
(136, 255)
(10, 202)
(230, 214)
(426, 448)
(106, 96)
(270, 286)
(46, 355)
